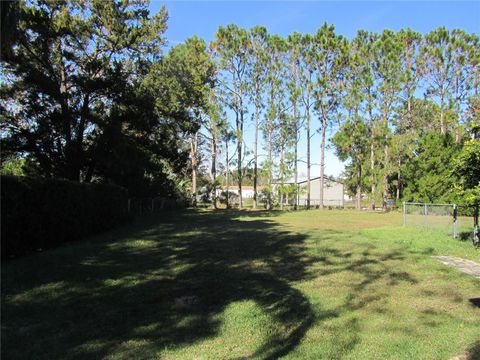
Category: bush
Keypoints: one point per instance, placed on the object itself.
(232, 198)
(43, 213)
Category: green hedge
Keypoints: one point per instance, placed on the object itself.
(43, 213)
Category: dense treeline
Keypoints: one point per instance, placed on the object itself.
(89, 96)
(402, 108)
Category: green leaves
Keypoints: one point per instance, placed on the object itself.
(76, 105)
(182, 80)
(428, 172)
(466, 168)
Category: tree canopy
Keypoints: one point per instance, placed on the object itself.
(89, 95)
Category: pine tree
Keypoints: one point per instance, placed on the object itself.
(330, 61)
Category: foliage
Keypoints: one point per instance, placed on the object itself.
(72, 71)
(10, 16)
(232, 198)
(13, 166)
(89, 96)
(81, 99)
(180, 84)
(428, 174)
(351, 143)
(466, 168)
(232, 49)
(40, 214)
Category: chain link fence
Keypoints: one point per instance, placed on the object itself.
(449, 219)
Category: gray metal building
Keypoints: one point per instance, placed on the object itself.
(333, 194)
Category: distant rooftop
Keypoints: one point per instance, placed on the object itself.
(302, 180)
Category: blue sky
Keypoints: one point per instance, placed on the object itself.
(202, 18)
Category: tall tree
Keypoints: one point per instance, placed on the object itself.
(295, 92)
(410, 76)
(71, 69)
(215, 126)
(232, 45)
(464, 47)
(388, 72)
(274, 116)
(187, 74)
(257, 75)
(330, 65)
(306, 77)
(365, 44)
(439, 63)
(351, 140)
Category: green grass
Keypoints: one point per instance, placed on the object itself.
(294, 285)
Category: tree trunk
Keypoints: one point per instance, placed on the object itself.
(71, 171)
(385, 178)
(282, 184)
(322, 160)
(409, 112)
(295, 116)
(443, 128)
(227, 167)
(358, 199)
(458, 134)
(239, 161)
(399, 179)
(372, 151)
(269, 149)
(308, 155)
(193, 150)
(372, 169)
(213, 170)
(93, 161)
(255, 150)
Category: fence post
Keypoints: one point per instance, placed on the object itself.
(476, 230)
(152, 205)
(455, 221)
(425, 212)
(129, 205)
(404, 214)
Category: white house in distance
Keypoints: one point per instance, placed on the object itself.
(333, 192)
(247, 191)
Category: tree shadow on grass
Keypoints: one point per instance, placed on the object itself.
(113, 296)
(473, 352)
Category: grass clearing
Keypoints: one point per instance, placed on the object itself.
(294, 285)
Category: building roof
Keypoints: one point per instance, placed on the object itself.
(318, 177)
(292, 181)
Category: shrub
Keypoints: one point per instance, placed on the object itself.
(232, 198)
(43, 213)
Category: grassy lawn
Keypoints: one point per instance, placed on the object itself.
(297, 285)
